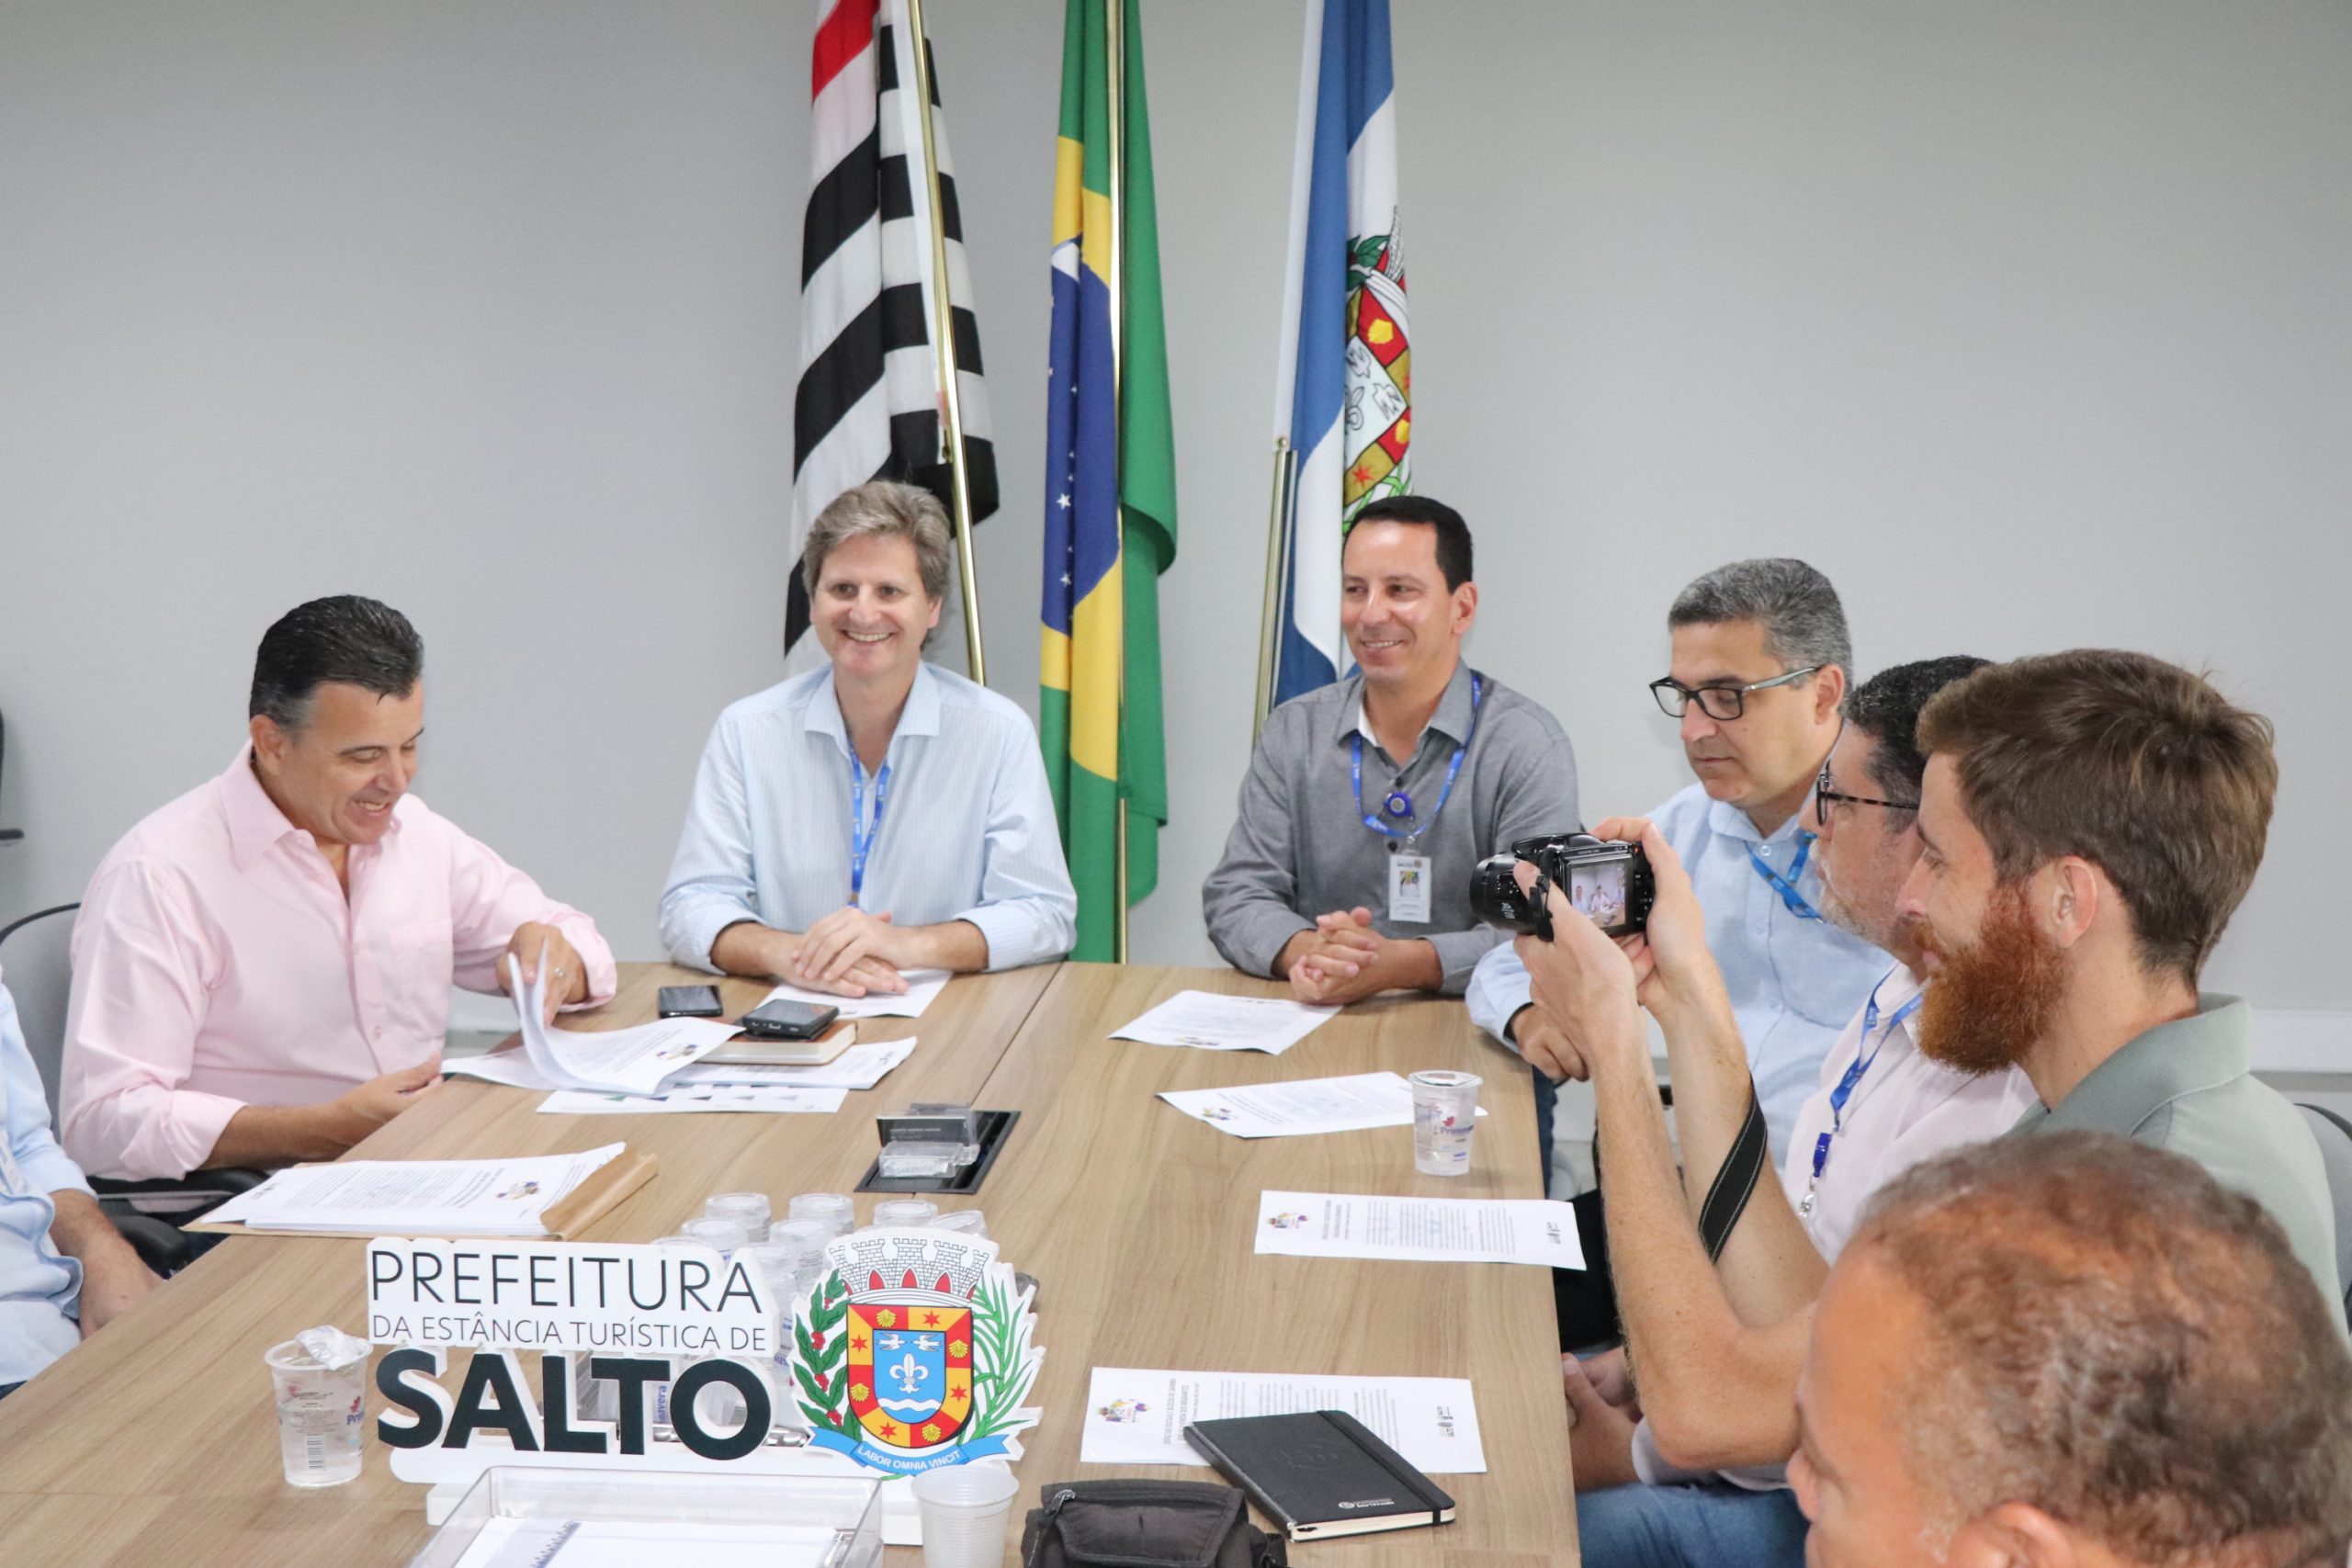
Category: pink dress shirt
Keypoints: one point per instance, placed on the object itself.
(218, 964)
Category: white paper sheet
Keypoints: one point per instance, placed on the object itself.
(616, 1543)
(860, 1066)
(922, 987)
(686, 1098)
(1135, 1417)
(1292, 1110)
(1419, 1230)
(512, 1068)
(432, 1197)
(1213, 1023)
(622, 1061)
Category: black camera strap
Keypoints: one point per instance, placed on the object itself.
(1727, 1195)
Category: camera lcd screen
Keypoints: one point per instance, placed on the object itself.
(1598, 890)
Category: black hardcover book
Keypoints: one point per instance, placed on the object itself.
(1320, 1473)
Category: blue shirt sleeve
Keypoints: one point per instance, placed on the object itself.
(31, 1141)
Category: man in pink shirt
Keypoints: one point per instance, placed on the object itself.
(262, 968)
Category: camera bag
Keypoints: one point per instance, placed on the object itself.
(1145, 1524)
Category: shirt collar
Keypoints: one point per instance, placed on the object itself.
(1729, 821)
(920, 716)
(1455, 711)
(256, 824)
(2200, 1052)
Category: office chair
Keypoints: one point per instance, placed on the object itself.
(36, 965)
(2335, 1135)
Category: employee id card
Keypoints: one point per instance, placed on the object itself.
(1409, 888)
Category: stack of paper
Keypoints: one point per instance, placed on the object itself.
(622, 1061)
(1306, 1105)
(1420, 1230)
(692, 1098)
(426, 1197)
(1135, 1416)
(1214, 1022)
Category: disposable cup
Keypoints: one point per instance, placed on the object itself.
(835, 1208)
(970, 1222)
(748, 1210)
(964, 1508)
(724, 1234)
(1445, 1112)
(320, 1416)
(901, 1211)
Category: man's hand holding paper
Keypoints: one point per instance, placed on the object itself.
(544, 950)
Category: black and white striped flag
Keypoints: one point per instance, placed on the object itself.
(869, 402)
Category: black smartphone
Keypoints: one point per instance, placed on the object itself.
(690, 1002)
(783, 1020)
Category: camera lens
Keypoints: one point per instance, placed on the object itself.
(1495, 899)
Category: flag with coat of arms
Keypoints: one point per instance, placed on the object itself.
(1343, 389)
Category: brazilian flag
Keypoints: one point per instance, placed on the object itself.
(1109, 457)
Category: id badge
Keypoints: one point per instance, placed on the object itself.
(1409, 888)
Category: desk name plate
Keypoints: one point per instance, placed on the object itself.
(911, 1352)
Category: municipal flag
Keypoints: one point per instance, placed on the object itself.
(1343, 389)
(869, 402)
(1105, 459)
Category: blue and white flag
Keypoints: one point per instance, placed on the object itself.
(1343, 392)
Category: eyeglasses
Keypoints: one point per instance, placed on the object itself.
(1723, 703)
(1823, 795)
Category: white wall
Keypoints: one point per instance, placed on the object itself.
(2029, 322)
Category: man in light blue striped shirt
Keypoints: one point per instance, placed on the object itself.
(1759, 671)
(879, 815)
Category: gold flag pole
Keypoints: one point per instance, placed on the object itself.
(1116, 81)
(943, 333)
(1277, 571)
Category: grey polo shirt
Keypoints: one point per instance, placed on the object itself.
(1299, 847)
(2185, 1087)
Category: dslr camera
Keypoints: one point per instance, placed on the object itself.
(1609, 881)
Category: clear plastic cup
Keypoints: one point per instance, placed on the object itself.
(965, 1508)
(724, 1234)
(1445, 1112)
(970, 1222)
(805, 1237)
(901, 1212)
(836, 1209)
(320, 1418)
(748, 1210)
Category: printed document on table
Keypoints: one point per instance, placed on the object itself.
(624, 1061)
(1138, 1417)
(922, 987)
(1419, 1230)
(432, 1197)
(860, 1066)
(632, 1543)
(1306, 1105)
(687, 1098)
(1213, 1023)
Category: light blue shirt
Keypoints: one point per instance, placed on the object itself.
(1795, 983)
(968, 829)
(39, 1290)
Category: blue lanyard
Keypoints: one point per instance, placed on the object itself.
(1861, 1067)
(1453, 771)
(1786, 886)
(861, 836)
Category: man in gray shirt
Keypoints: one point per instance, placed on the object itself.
(1368, 800)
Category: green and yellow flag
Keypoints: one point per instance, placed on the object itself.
(1109, 458)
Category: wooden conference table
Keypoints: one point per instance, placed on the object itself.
(155, 1442)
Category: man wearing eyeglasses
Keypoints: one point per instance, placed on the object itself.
(1759, 671)
(1718, 1347)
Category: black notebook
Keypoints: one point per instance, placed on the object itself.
(1320, 1473)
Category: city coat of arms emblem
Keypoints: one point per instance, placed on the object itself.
(914, 1351)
